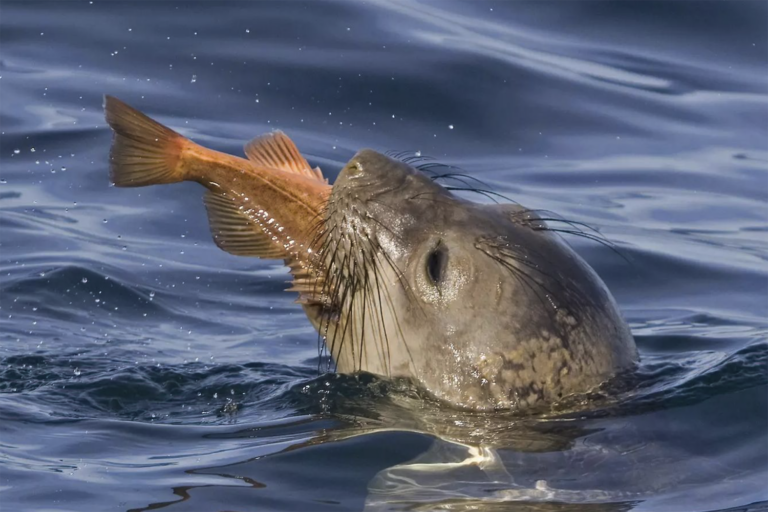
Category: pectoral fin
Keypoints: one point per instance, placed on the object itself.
(235, 233)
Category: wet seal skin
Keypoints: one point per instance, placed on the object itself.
(483, 305)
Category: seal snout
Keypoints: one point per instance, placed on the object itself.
(372, 171)
(370, 163)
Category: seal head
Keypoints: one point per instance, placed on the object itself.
(481, 304)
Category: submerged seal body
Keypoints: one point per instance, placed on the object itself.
(481, 304)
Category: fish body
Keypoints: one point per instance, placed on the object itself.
(268, 205)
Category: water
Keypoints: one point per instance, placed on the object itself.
(143, 369)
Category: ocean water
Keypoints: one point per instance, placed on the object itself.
(143, 369)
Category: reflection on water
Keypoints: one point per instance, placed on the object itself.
(143, 369)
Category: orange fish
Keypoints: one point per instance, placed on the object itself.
(269, 205)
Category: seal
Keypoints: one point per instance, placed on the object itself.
(482, 304)
(485, 306)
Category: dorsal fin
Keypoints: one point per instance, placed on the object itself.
(277, 151)
(235, 233)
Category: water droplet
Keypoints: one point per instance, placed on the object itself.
(215, 395)
(77, 372)
(16, 151)
(418, 153)
(104, 221)
(151, 295)
(194, 79)
(84, 280)
(450, 127)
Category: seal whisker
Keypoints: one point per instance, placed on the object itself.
(431, 165)
(459, 176)
(554, 217)
(351, 292)
(385, 227)
(393, 311)
(576, 225)
(526, 280)
(601, 240)
(408, 157)
(426, 195)
(381, 313)
(374, 201)
(375, 303)
(400, 278)
(364, 310)
(376, 255)
(398, 326)
(337, 280)
(490, 194)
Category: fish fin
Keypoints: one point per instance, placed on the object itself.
(277, 151)
(306, 282)
(144, 152)
(235, 233)
(319, 175)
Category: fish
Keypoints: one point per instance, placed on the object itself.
(267, 205)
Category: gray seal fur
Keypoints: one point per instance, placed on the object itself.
(480, 304)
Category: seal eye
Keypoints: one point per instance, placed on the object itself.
(437, 260)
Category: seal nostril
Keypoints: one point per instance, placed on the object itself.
(437, 260)
(355, 169)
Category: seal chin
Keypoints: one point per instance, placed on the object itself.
(477, 303)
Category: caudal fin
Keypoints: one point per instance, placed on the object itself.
(144, 152)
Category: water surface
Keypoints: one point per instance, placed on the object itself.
(143, 369)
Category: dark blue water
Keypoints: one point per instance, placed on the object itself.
(143, 369)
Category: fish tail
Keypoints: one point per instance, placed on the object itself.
(144, 152)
